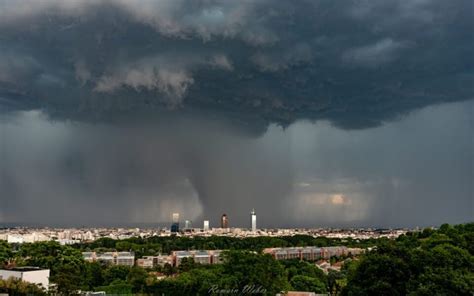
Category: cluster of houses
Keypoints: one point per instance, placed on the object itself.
(174, 259)
(311, 253)
(320, 255)
(214, 256)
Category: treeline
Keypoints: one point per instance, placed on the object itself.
(164, 245)
(242, 269)
(431, 262)
(244, 273)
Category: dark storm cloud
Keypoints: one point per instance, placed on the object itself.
(128, 110)
(356, 63)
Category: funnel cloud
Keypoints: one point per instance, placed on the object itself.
(416, 171)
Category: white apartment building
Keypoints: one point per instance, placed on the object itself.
(206, 225)
(199, 256)
(32, 275)
(15, 239)
(112, 258)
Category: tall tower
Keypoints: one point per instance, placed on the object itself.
(206, 225)
(253, 218)
(224, 221)
(187, 224)
(175, 222)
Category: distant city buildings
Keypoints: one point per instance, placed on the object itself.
(187, 224)
(19, 235)
(253, 219)
(33, 275)
(224, 221)
(111, 258)
(26, 238)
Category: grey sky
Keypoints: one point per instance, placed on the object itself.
(415, 171)
(313, 112)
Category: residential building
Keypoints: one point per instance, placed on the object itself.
(145, 262)
(160, 260)
(112, 258)
(311, 253)
(34, 275)
(199, 256)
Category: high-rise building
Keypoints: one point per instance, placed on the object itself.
(175, 217)
(224, 221)
(253, 218)
(175, 222)
(206, 225)
(187, 224)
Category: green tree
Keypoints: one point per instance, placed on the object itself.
(380, 274)
(116, 272)
(67, 280)
(298, 267)
(431, 262)
(186, 264)
(94, 275)
(66, 264)
(117, 287)
(251, 269)
(5, 252)
(307, 283)
(168, 287)
(104, 242)
(137, 278)
(17, 287)
(168, 269)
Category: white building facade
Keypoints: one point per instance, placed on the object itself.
(31, 275)
(253, 217)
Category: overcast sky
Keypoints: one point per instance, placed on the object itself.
(315, 113)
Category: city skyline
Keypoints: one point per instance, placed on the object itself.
(224, 147)
(224, 222)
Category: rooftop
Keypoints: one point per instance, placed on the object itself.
(24, 268)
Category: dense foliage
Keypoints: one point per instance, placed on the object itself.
(5, 252)
(430, 262)
(241, 270)
(156, 245)
(422, 263)
(16, 287)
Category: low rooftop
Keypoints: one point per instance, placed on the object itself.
(24, 268)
